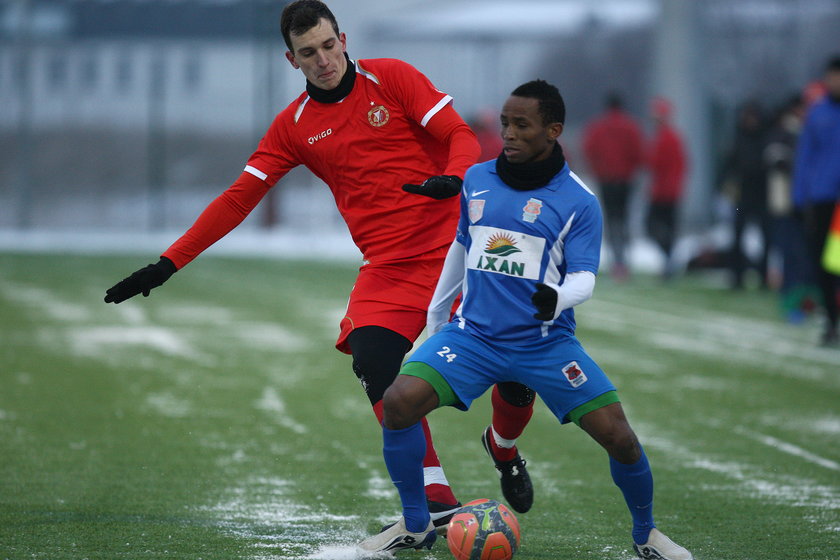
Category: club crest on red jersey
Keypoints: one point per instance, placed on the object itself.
(379, 116)
(574, 374)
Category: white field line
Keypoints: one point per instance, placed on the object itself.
(712, 334)
(271, 403)
(790, 449)
(752, 480)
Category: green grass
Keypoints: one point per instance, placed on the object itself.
(215, 420)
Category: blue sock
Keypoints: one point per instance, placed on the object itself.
(404, 451)
(636, 483)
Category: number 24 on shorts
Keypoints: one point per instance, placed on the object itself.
(445, 352)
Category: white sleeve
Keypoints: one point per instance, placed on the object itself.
(448, 287)
(577, 288)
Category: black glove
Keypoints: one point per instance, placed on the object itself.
(545, 300)
(141, 281)
(437, 187)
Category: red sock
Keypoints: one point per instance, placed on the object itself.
(509, 422)
(437, 487)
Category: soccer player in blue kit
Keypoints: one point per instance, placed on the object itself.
(526, 252)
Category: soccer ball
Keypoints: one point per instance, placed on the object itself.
(483, 530)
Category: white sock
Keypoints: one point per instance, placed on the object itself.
(502, 442)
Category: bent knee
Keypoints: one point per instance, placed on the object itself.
(622, 445)
(396, 409)
(406, 402)
(609, 427)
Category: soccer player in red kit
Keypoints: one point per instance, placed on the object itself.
(393, 151)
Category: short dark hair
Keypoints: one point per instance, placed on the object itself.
(301, 16)
(551, 105)
(833, 64)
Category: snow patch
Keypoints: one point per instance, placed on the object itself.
(101, 341)
(45, 301)
(168, 405)
(270, 336)
(271, 402)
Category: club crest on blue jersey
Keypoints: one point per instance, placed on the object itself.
(532, 210)
(574, 375)
(476, 210)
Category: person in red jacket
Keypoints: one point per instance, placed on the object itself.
(393, 151)
(666, 161)
(613, 148)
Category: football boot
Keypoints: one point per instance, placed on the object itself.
(660, 547)
(396, 537)
(515, 480)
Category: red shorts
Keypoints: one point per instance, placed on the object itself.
(394, 295)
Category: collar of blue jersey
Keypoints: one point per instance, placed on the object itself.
(531, 175)
(342, 90)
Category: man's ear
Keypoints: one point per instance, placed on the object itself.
(291, 58)
(555, 130)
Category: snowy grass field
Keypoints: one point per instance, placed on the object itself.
(215, 420)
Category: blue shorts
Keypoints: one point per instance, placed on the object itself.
(561, 372)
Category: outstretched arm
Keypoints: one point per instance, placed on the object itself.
(222, 215)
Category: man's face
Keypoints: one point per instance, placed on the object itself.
(526, 138)
(319, 54)
(832, 83)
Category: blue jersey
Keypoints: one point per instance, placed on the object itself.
(515, 239)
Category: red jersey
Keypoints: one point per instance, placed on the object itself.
(613, 147)
(383, 135)
(667, 162)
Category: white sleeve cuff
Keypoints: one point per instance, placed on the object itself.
(577, 287)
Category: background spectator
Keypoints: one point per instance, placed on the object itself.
(613, 148)
(817, 187)
(794, 279)
(747, 175)
(666, 160)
